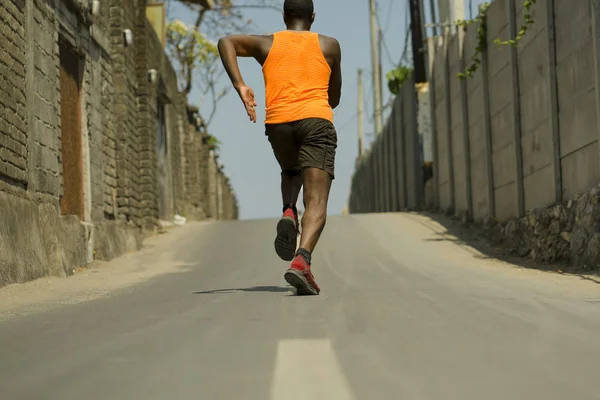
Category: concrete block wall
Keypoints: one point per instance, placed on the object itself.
(479, 161)
(502, 116)
(576, 90)
(388, 178)
(411, 166)
(116, 116)
(456, 127)
(536, 111)
(520, 134)
(441, 115)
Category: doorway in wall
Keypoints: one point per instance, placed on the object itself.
(72, 200)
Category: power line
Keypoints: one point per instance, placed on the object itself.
(407, 34)
(389, 15)
(385, 46)
(347, 122)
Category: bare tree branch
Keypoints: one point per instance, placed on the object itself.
(195, 56)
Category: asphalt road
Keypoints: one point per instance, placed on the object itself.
(405, 313)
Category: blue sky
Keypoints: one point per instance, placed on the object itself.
(247, 155)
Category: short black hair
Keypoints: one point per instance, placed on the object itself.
(299, 9)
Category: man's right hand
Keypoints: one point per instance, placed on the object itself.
(247, 95)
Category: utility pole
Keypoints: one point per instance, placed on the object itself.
(458, 11)
(417, 41)
(425, 45)
(376, 71)
(433, 19)
(449, 12)
(444, 14)
(360, 113)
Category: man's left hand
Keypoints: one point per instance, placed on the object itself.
(247, 95)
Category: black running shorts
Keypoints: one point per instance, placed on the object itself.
(307, 143)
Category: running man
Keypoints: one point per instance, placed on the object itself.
(303, 82)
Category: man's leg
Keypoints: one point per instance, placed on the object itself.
(317, 184)
(317, 156)
(283, 142)
(291, 183)
(287, 227)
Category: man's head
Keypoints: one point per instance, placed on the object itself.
(298, 11)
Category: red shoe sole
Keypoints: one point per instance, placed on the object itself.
(286, 240)
(296, 279)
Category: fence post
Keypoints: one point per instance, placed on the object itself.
(376, 175)
(415, 149)
(366, 187)
(552, 82)
(516, 103)
(403, 164)
(362, 198)
(433, 44)
(595, 12)
(391, 163)
(393, 160)
(485, 78)
(465, 118)
(373, 174)
(380, 174)
(487, 131)
(386, 170)
(448, 97)
(363, 188)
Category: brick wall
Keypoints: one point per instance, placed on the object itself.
(98, 81)
(147, 124)
(13, 102)
(45, 142)
(116, 167)
(193, 149)
(123, 16)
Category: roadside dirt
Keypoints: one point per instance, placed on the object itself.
(99, 279)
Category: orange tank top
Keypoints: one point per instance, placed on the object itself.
(296, 78)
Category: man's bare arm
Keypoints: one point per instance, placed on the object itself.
(335, 81)
(232, 47)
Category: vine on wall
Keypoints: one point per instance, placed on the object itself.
(482, 35)
(481, 40)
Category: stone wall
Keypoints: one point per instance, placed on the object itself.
(79, 119)
(567, 232)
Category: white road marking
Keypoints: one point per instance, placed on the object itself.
(308, 369)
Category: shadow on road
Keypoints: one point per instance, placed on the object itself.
(471, 236)
(255, 289)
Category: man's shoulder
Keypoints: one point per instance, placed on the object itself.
(266, 37)
(328, 39)
(330, 45)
